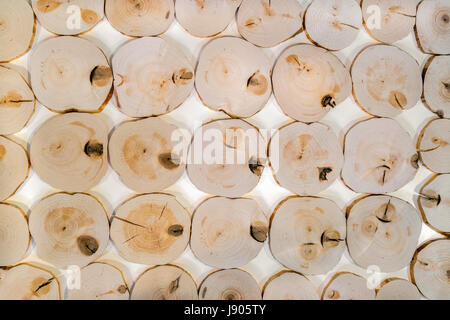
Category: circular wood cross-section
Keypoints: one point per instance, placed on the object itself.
(17, 29)
(147, 155)
(347, 286)
(397, 289)
(267, 23)
(382, 231)
(70, 73)
(305, 159)
(379, 157)
(17, 101)
(436, 86)
(28, 282)
(289, 285)
(68, 17)
(386, 80)
(307, 234)
(69, 229)
(228, 233)
(434, 145)
(151, 229)
(430, 269)
(433, 26)
(151, 77)
(69, 151)
(309, 81)
(14, 167)
(234, 76)
(14, 235)
(164, 283)
(232, 284)
(100, 281)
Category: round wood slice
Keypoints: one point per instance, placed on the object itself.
(14, 235)
(289, 285)
(151, 229)
(69, 229)
(17, 101)
(228, 233)
(28, 282)
(307, 234)
(71, 17)
(396, 19)
(436, 87)
(69, 151)
(206, 18)
(232, 284)
(386, 80)
(100, 281)
(305, 158)
(164, 283)
(430, 269)
(433, 26)
(333, 24)
(145, 154)
(70, 73)
(140, 18)
(151, 77)
(234, 76)
(14, 167)
(434, 145)
(382, 231)
(309, 81)
(266, 23)
(226, 158)
(434, 203)
(347, 286)
(380, 166)
(397, 289)
(17, 29)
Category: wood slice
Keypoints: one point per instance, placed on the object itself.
(436, 87)
(164, 283)
(267, 23)
(228, 233)
(28, 282)
(430, 269)
(69, 229)
(70, 73)
(380, 166)
(233, 284)
(333, 24)
(226, 158)
(309, 81)
(397, 289)
(14, 235)
(433, 26)
(289, 285)
(433, 202)
(347, 286)
(140, 18)
(69, 151)
(305, 159)
(151, 77)
(396, 19)
(234, 76)
(14, 167)
(145, 154)
(205, 18)
(307, 234)
(17, 101)
(386, 80)
(17, 29)
(100, 281)
(151, 229)
(434, 145)
(70, 17)
(382, 231)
